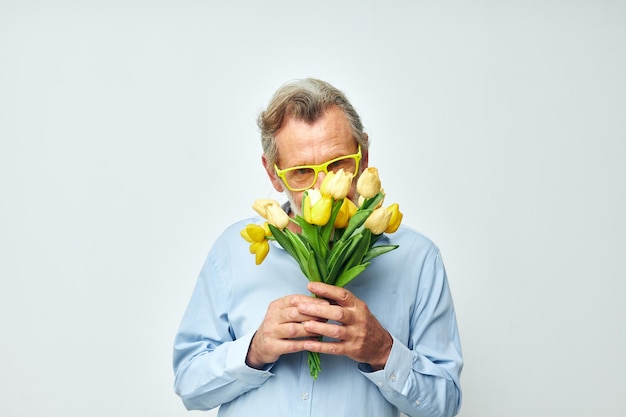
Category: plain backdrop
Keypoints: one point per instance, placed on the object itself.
(128, 142)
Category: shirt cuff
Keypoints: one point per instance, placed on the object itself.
(396, 371)
(236, 363)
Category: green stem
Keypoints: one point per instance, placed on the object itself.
(315, 367)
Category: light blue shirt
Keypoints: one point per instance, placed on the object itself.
(406, 289)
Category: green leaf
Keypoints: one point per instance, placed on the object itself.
(359, 248)
(362, 214)
(311, 233)
(355, 222)
(283, 240)
(313, 273)
(372, 202)
(377, 251)
(294, 245)
(350, 274)
(346, 254)
(301, 246)
(322, 267)
(327, 230)
(338, 253)
(337, 250)
(308, 230)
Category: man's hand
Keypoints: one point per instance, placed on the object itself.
(360, 336)
(282, 330)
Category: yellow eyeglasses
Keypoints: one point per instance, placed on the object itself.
(303, 177)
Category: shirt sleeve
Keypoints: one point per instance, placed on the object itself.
(423, 377)
(209, 362)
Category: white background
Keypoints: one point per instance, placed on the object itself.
(128, 143)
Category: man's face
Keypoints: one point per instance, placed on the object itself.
(300, 143)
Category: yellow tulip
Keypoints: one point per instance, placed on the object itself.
(266, 227)
(257, 236)
(336, 185)
(260, 250)
(368, 184)
(277, 217)
(253, 233)
(316, 208)
(378, 221)
(260, 205)
(347, 210)
(271, 211)
(396, 218)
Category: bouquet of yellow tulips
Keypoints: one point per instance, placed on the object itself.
(337, 239)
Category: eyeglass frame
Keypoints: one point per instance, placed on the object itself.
(323, 167)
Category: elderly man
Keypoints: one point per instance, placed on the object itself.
(390, 343)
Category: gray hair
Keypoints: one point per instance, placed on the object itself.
(306, 100)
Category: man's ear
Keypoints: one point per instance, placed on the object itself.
(365, 156)
(274, 178)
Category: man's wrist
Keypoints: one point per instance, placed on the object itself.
(252, 359)
(386, 351)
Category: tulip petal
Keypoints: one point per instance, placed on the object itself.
(368, 184)
(261, 251)
(336, 185)
(320, 212)
(378, 221)
(255, 232)
(396, 218)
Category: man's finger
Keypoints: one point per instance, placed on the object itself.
(340, 295)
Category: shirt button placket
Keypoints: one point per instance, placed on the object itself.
(305, 390)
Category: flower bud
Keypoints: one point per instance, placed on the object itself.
(396, 218)
(316, 208)
(260, 250)
(271, 211)
(378, 221)
(308, 200)
(346, 211)
(368, 184)
(260, 206)
(277, 217)
(336, 185)
(259, 245)
(253, 233)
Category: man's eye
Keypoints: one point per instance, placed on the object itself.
(302, 172)
(346, 164)
(335, 166)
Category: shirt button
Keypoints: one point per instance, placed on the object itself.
(305, 396)
(417, 402)
(393, 378)
(380, 384)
